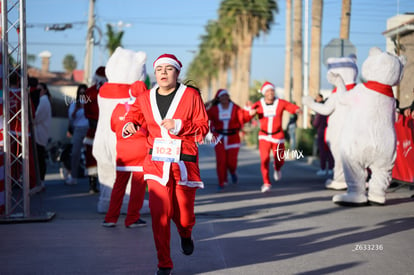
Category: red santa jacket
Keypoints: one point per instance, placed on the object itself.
(130, 152)
(188, 111)
(91, 110)
(91, 103)
(270, 118)
(225, 124)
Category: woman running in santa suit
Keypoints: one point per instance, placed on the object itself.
(226, 122)
(176, 119)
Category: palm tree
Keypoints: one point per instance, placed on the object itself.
(248, 19)
(345, 19)
(202, 69)
(114, 39)
(297, 54)
(288, 51)
(222, 50)
(315, 51)
(69, 63)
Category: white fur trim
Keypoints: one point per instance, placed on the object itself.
(165, 175)
(198, 184)
(130, 168)
(177, 127)
(267, 87)
(183, 171)
(166, 60)
(222, 92)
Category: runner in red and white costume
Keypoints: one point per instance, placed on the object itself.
(123, 68)
(91, 109)
(226, 122)
(176, 119)
(271, 137)
(130, 156)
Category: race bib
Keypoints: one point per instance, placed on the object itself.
(166, 150)
(225, 114)
(269, 111)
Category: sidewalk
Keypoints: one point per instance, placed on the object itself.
(294, 229)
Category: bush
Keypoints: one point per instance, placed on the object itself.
(251, 133)
(305, 139)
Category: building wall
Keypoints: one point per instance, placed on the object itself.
(406, 95)
(405, 89)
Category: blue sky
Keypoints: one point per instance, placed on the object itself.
(165, 26)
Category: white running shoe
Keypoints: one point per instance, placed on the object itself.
(71, 181)
(350, 199)
(277, 175)
(266, 188)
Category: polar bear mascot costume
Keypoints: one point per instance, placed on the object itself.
(347, 68)
(123, 68)
(368, 138)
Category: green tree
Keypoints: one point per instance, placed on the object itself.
(247, 19)
(114, 39)
(69, 63)
(254, 91)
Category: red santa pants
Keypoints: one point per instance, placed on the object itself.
(136, 198)
(278, 154)
(175, 202)
(225, 160)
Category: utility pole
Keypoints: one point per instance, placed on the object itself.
(306, 64)
(345, 19)
(89, 43)
(288, 52)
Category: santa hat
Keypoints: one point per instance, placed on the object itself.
(168, 59)
(266, 86)
(221, 92)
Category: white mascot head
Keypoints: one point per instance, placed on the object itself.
(388, 67)
(344, 66)
(126, 66)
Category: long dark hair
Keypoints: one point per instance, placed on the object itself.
(44, 87)
(191, 83)
(78, 93)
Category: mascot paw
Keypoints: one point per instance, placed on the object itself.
(307, 100)
(335, 79)
(375, 199)
(350, 199)
(335, 185)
